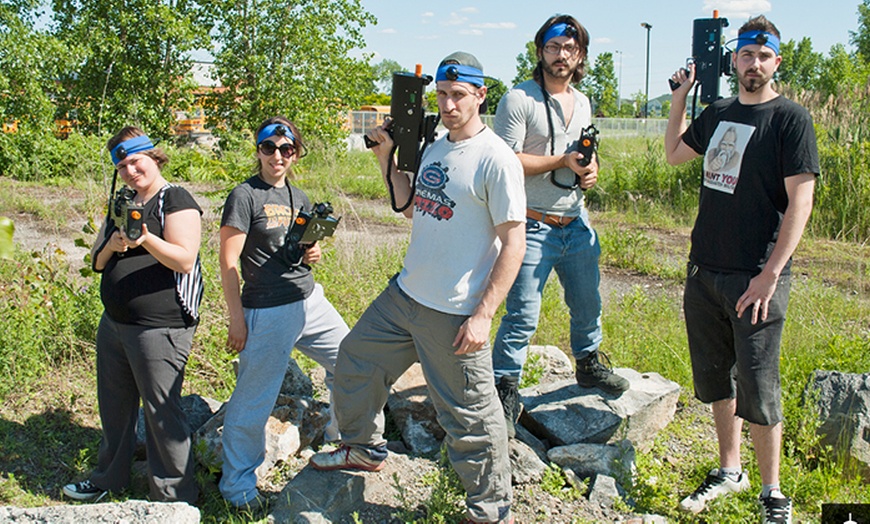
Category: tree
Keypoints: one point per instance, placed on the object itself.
(30, 62)
(280, 57)
(840, 72)
(135, 65)
(600, 85)
(495, 89)
(801, 66)
(526, 63)
(861, 38)
(383, 73)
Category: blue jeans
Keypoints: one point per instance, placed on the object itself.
(573, 251)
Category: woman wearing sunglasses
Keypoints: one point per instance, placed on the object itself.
(151, 288)
(280, 306)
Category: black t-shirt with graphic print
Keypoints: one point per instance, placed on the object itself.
(264, 213)
(748, 152)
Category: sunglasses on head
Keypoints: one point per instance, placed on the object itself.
(268, 148)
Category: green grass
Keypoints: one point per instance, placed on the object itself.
(643, 210)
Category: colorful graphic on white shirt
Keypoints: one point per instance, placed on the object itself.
(430, 198)
(724, 155)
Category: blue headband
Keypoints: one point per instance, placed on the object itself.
(760, 38)
(137, 144)
(275, 130)
(560, 29)
(460, 73)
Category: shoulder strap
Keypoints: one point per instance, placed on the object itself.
(189, 287)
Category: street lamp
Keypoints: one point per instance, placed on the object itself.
(646, 105)
(619, 84)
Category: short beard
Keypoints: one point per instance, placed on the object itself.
(557, 74)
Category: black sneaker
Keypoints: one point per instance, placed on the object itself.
(591, 373)
(509, 395)
(775, 510)
(84, 490)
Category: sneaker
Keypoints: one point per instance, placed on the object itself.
(591, 373)
(346, 457)
(775, 510)
(509, 395)
(715, 485)
(84, 490)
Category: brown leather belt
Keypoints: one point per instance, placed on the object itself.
(553, 220)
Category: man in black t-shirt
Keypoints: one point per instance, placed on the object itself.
(760, 165)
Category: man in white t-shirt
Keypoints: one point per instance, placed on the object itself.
(467, 243)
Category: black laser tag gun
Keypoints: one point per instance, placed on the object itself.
(308, 228)
(588, 144)
(127, 214)
(411, 129)
(709, 56)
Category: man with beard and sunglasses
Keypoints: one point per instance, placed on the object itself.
(750, 220)
(542, 120)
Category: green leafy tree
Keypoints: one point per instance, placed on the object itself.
(861, 38)
(290, 58)
(600, 85)
(495, 89)
(526, 63)
(801, 66)
(30, 63)
(840, 72)
(383, 73)
(135, 65)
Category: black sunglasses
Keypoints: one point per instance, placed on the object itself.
(268, 148)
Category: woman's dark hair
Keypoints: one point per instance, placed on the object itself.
(581, 37)
(298, 142)
(158, 155)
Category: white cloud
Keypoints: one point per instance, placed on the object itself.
(471, 32)
(469, 10)
(456, 19)
(495, 25)
(602, 40)
(388, 31)
(428, 14)
(737, 9)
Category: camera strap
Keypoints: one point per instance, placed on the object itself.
(552, 131)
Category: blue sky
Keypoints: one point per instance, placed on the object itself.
(496, 31)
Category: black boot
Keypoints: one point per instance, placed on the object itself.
(509, 395)
(593, 374)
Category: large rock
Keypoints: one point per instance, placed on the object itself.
(551, 362)
(411, 409)
(589, 460)
(197, 408)
(563, 413)
(843, 401)
(128, 512)
(296, 421)
(323, 496)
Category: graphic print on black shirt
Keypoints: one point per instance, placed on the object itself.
(724, 155)
(431, 199)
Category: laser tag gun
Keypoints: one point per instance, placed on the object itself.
(126, 214)
(709, 56)
(410, 127)
(308, 228)
(588, 144)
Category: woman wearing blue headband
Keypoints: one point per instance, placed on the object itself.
(280, 306)
(150, 288)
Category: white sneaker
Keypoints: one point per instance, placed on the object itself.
(715, 485)
(775, 510)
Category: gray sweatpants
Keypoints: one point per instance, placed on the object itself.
(136, 362)
(394, 333)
